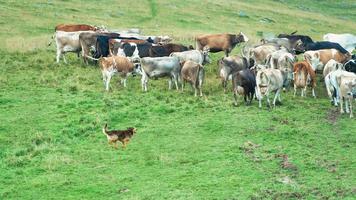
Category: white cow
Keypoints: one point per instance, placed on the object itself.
(333, 82)
(68, 42)
(347, 84)
(198, 56)
(348, 41)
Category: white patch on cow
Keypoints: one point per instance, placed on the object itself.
(244, 36)
(135, 54)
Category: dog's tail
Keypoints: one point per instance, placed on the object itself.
(105, 129)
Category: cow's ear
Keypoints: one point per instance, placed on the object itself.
(182, 63)
(317, 55)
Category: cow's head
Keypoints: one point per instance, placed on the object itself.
(314, 60)
(299, 46)
(136, 61)
(242, 37)
(205, 52)
(101, 28)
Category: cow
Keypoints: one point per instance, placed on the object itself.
(167, 49)
(116, 64)
(267, 81)
(321, 45)
(193, 73)
(259, 54)
(160, 67)
(88, 42)
(332, 81)
(68, 42)
(114, 44)
(284, 42)
(294, 40)
(304, 75)
(350, 65)
(230, 65)
(200, 57)
(244, 83)
(220, 42)
(75, 27)
(347, 41)
(280, 59)
(347, 84)
(319, 58)
(134, 50)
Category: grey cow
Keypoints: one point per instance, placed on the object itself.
(160, 67)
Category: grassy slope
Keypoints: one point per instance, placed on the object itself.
(51, 145)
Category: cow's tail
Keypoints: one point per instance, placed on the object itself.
(105, 129)
(269, 60)
(51, 40)
(91, 57)
(199, 70)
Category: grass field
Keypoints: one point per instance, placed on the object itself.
(52, 147)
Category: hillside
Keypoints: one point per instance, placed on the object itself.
(28, 25)
(52, 115)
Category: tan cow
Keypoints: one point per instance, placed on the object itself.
(260, 53)
(116, 64)
(220, 42)
(193, 73)
(304, 74)
(319, 58)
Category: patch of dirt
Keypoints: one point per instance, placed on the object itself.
(333, 115)
(249, 149)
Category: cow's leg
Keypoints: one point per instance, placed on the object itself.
(268, 102)
(124, 79)
(259, 102)
(195, 90)
(170, 83)
(275, 97)
(183, 85)
(295, 89)
(58, 55)
(235, 97)
(341, 106)
(350, 102)
(313, 93)
(104, 77)
(347, 105)
(108, 78)
(175, 79)
(64, 57)
(144, 80)
(224, 84)
(200, 87)
(227, 51)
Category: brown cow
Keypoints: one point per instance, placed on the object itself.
(319, 58)
(167, 49)
(304, 73)
(116, 64)
(193, 73)
(75, 27)
(220, 42)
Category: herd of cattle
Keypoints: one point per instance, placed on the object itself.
(262, 69)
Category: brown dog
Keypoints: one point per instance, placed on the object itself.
(123, 136)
